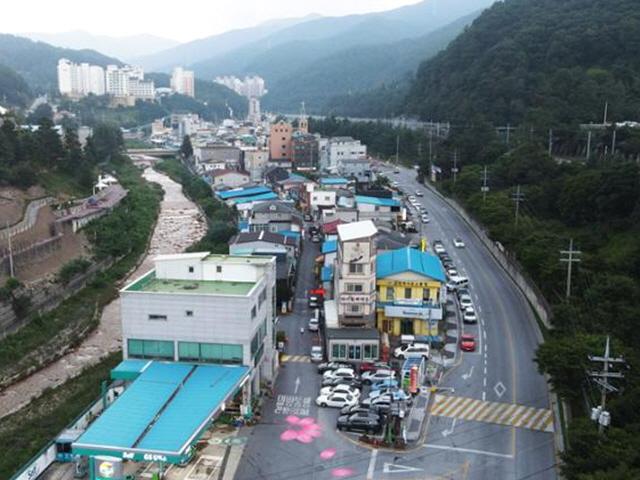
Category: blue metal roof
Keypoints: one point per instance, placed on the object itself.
(254, 198)
(131, 366)
(330, 246)
(290, 233)
(409, 259)
(384, 202)
(242, 192)
(333, 181)
(165, 408)
(326, 274)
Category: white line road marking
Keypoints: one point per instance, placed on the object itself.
(484, 382)
(372, 464)
(395, 468)
(297, 385)
(485, 370)
(470, 450)
(484, 396)
(466, 376)
(449, 431)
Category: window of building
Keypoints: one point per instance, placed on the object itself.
(354, 287)
(355, 308)
(355, 352)
(339, 351)
(407, 292)
(390, 296)
(262, 297)
(356, 268)
(156, 317)
(189, 313)
(218, 268)
(150, 349)
(210, 352)
(191, 269)
(425, 294)
(370, 352)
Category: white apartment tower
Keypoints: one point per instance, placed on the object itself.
(81, 79)
(128, 81)
(183, 82)
(254, 115)
(355, 274)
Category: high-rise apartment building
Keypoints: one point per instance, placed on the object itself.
(80, 79)
(128, 81)
(183, 82)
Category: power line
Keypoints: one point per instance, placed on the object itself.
(572, 256)
(517, 197)
(601, 378)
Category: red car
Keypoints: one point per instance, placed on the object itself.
(373, 366)
(468, 343)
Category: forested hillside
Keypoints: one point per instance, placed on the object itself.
(13, 89)
(542, 61)
(37, 62)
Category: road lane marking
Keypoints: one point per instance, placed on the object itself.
(508, 414)
(295, 359)
(469, 450)
(372, 464)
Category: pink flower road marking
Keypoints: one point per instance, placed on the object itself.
(306, 430)
(303, 430)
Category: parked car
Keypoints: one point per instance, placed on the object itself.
(323, 367)
(373, 366)
(452, 273)
(458, 243)
(456, 283)
(335, 400)
(463, 291)
(360, 423)
(316, 353)
(341, 388)
(465, 301)
(410, 351)
(332, 382)
(469, 315)
(370, 377)
(439, 248)
(314, 301)
(315, 238)
(314, 324)
(425, 218)
(419, 193)
(396, 395)
(412, 198)
(448, 264)
(468, 343)
(350, 410)
(308, 218)
(381, 403)
(340, 373)
(384, 383)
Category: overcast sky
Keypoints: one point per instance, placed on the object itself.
(180, 20)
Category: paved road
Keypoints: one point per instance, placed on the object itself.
(502, 369)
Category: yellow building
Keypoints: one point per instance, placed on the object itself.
(410, 292)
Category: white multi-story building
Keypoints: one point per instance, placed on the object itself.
(254, 115)
(197, 307)
(355, 274)
(344, 148)
(183, 82)
(128, 81)
(80, 79)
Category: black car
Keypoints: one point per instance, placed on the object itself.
(448, 264)
(324, 366)
(332, 382)
(351, 409)
(308, 218)
(360, 423)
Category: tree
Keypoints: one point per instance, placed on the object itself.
(105, 144)
(43, 110)
(49, 150)
(186, 149)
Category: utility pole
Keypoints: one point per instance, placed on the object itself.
(599, 414)
(508, 133)
(588, 144)
(606, 110)
(573, 256)
(613, 142)
(397, 148)
(550, 141)
(11, 268)
(485, 187)
(454, 170)
(517, 197)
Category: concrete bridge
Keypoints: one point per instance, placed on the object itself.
(154, 152)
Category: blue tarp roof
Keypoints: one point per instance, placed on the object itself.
(254, 198)
(330, 246)
(333, 181)
(326, 274)
(385, 202)
(242, 192)
(409, 259)
(164, 409)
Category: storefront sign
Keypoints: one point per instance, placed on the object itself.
(413, 312)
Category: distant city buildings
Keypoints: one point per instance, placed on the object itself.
(80, 80)
(250, 87)
(183, 82)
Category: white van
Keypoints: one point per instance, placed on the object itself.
(314, 324)
(455, 283)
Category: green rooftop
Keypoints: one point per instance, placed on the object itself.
(149, 283)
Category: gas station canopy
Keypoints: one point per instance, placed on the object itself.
(161, 415)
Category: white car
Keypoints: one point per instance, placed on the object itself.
(452, 273)
(419, 193)
(439, 248)
(313, 324)
(425, 218)
(469, 315)
(412, 351)
(465, 301)
(336, 400)
(458, 243)
(346, 389)
(316, 353)
(412, 198)
(340, 372)
(375, 376)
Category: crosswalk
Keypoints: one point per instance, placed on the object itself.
(509, 414)
(295, 359)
